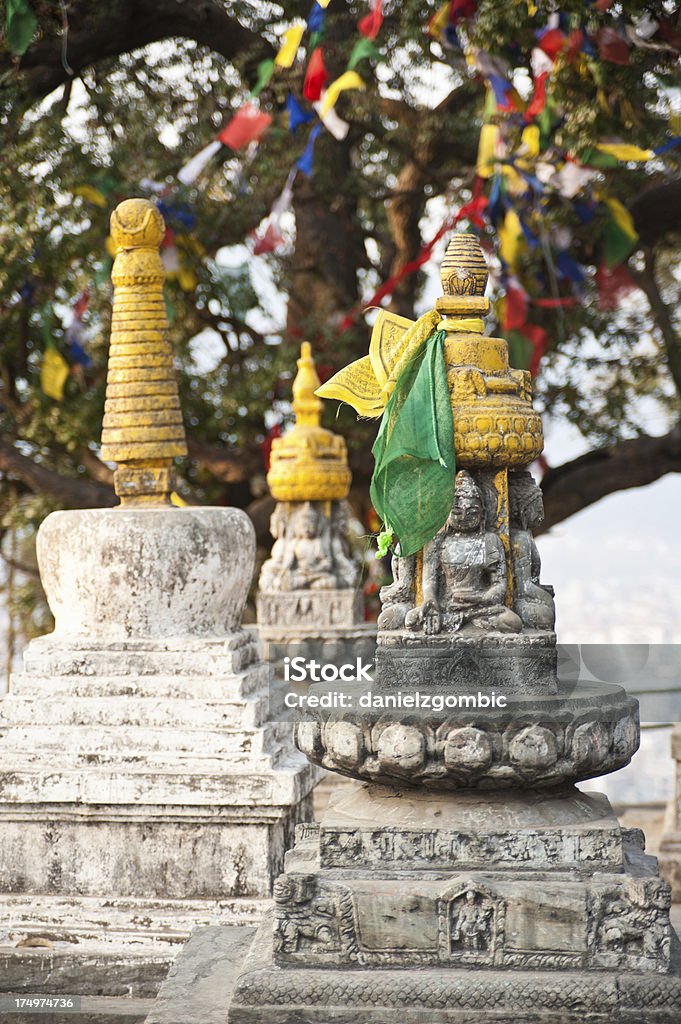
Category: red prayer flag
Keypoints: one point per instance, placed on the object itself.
(316, 76)
(552, 42)
(249, 124)
(612, 46)
(268, 242)
(516, 309)
(370, 25)
(613, 285)
(539, 340)
(538, 101)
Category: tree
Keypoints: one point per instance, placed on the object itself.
(108, 101)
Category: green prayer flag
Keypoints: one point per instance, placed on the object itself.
(362, 49)
(519, 350)
(265, 72)
(20, 26)
(412, 488)
(595, 158)
(618, 244)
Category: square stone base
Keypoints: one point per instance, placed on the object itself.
(208, 977)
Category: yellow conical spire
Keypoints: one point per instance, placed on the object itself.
(142, 429)
(309, 463)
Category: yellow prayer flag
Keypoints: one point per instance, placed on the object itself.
(487, 149)
(92, 195)
(348, 80)
(438, 23)
(177, 501)
(531, 139)
(289, 48)
(622, 217)
(511, 240)
(53, 374)
(623, 151)
(324, 3)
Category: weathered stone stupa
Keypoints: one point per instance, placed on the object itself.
(467, 879)
(143, 787)
(309, 589)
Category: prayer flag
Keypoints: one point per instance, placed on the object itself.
(370, 25)
(289, 48)
(348, 80)
(249, 124)
(53, 374)
(315, 77)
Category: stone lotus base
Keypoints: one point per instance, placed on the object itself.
(582, 731)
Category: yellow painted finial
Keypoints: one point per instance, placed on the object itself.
(306, 405)
(142, 429)
(309, 463)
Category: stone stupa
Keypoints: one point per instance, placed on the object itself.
(143, 787)
(466, 878)
(309, 596)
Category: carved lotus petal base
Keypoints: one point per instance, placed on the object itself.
(579, 733)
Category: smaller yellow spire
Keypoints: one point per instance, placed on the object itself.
(306, 406)
(309, 463)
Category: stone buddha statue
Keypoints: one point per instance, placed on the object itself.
(464, 575)
(532, 601)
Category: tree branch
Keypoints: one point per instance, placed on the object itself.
(70, 492)
(633, 463)
(657, 212)
(647, 282)
(99, 31)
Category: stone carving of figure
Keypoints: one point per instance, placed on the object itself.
(471, 928)
(398, 598)
(304, 919)
(464, 572)
(301, 554)
(532, 601)
(346, 569)
(310, 550)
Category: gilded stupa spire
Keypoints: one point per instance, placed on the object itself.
(142, 429)
(309, 463)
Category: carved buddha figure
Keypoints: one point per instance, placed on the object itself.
(464, 572)
(345, 567)
(308, 562)
(398, 598)
(532, 601)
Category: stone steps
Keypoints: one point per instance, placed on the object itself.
(132, 712)
(134, 741)
(163, 686)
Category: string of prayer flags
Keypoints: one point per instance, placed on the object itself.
(249, 124)
(20, 26)
(316, 76)
(348, 80)
(370, 25)
(297, 114)
(304, 164)
(289, 48)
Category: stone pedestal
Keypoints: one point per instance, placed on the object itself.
(409, 907)
(670, 847)
(144, 788)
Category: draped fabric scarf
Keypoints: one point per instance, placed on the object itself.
(412, 488)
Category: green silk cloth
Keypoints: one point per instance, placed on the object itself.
(412, 487)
